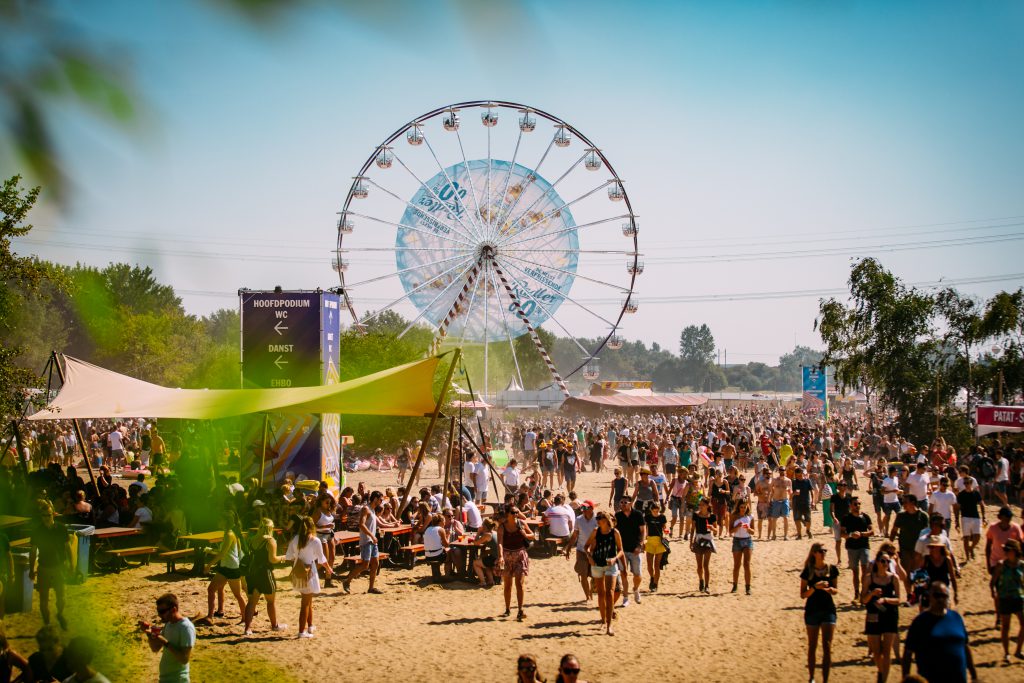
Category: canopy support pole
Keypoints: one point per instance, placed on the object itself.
(430, 430)
(78, 427)
(263, 453)
(448, 455)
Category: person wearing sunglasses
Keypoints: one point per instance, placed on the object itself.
(569, 670)
(937, 640)
(176, 639)
(817, 586)
(526, 670)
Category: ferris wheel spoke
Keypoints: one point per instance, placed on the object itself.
(543, 308)
(621, 252)
(558, 209)
(474, 216)
(403, 271)
(487, 301)
(469, 312)
(489, 222)
(567, 298)
(562, 231)
(530, 179)
(410, 227)
(438, 198)
(567, 272)
(419, 210)
(472, 185)
(412, 291)
(508, 178)
(544, 195)
(424, 309)
(508, 328)
(453, 310)
(448, 250)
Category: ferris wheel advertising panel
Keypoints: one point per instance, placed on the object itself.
(530, 229)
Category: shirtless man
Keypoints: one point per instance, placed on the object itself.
(762, 489)
(728, 453)
(781, 491)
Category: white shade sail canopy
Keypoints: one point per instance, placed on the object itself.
(90, 391)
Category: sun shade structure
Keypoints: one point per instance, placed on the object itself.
(94, 392)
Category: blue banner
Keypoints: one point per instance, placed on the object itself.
(815, 392)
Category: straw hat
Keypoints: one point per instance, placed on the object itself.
(936, 542)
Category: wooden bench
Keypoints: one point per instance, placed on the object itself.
(119, 555)
(356, 559)
(411, 552)
(171, 557)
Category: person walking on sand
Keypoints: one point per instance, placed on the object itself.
(305, 552)
(742, 543)
(781, 490)
(175, 640)
(586, 522)
(654, 546)
(526, 670)
(937, 640)
(881, 598)
(569, 670)
(604, 550)
(513, 538)
(857, 530)
(703, 542)
(227, 570)
(368, 553)
(1007, 587)
(818, 582)
(260, 576)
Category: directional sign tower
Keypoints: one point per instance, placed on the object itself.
(290, 339)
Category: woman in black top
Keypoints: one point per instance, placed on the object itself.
(817, 586)
(655, 547)
(703, 542)
(259, 578)
(881, 598)
(604, 548)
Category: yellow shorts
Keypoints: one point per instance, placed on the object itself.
(654, 546)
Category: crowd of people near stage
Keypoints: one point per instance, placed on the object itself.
(889, 510)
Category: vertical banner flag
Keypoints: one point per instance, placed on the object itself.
(330, 451)
(815, 392)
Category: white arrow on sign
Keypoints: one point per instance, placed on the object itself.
(279, 361)
(278, 327)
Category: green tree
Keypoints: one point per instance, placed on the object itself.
(696, 353)
(19, 276)
(885, 341)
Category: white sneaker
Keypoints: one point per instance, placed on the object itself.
(248, 632)
(625, 601)
(312, 630)
(279, 627)
(636, 596)
(306, 634)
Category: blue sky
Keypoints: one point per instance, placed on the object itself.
(739, 127)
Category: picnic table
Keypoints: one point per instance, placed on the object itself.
(7, 521)
(102, 542)
(200, 542)
(470, 549)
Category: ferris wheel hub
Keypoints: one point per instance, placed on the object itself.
(486, 251)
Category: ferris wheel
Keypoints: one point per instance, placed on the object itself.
(485, 220)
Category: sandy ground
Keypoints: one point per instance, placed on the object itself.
(454, 632)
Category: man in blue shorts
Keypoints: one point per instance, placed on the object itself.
(782, 490)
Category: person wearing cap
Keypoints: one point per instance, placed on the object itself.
(996, 537)
(970, 515)
(908, 526)
(1007, 587)
(583, 528)
(938, 564)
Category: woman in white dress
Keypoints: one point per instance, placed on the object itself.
(305, 552)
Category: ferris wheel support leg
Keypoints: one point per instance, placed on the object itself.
(533, 333)
(442, 331)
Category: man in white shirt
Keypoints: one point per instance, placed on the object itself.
(1002, 477)
(468, 472)
(510, 475)
(560, 518)
(473, 518)
(114, 441)
(480, 474)
(919, 483)
(890, 498)
(584, 526)
(961, 482)
(530, 446)
(942, 502)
